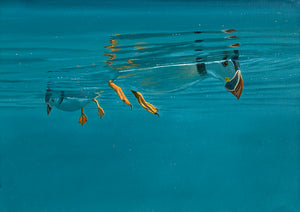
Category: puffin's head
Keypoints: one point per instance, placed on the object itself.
(235, 85)
(50, 100)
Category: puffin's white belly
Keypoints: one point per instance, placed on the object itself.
(72, 103)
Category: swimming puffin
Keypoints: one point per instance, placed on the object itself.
(163, 67)
(173, 78)
(68, 101)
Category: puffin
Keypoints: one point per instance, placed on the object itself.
(69, 101)
(159, 67)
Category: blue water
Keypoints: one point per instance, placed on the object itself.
(207, 151)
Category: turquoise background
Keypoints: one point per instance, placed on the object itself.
(206, 151)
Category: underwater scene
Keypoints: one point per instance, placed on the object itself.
(149, 106)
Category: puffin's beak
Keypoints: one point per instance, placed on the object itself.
(49, 108)
(235, 85)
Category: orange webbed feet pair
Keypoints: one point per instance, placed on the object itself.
(146, 105)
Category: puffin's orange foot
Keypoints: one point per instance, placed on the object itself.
(144, 104)
(119, 92)
(83, 118)
(100, 110)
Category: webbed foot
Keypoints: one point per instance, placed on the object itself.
(100, 110)
(147, 106)
(119, 92)
(83, 118)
